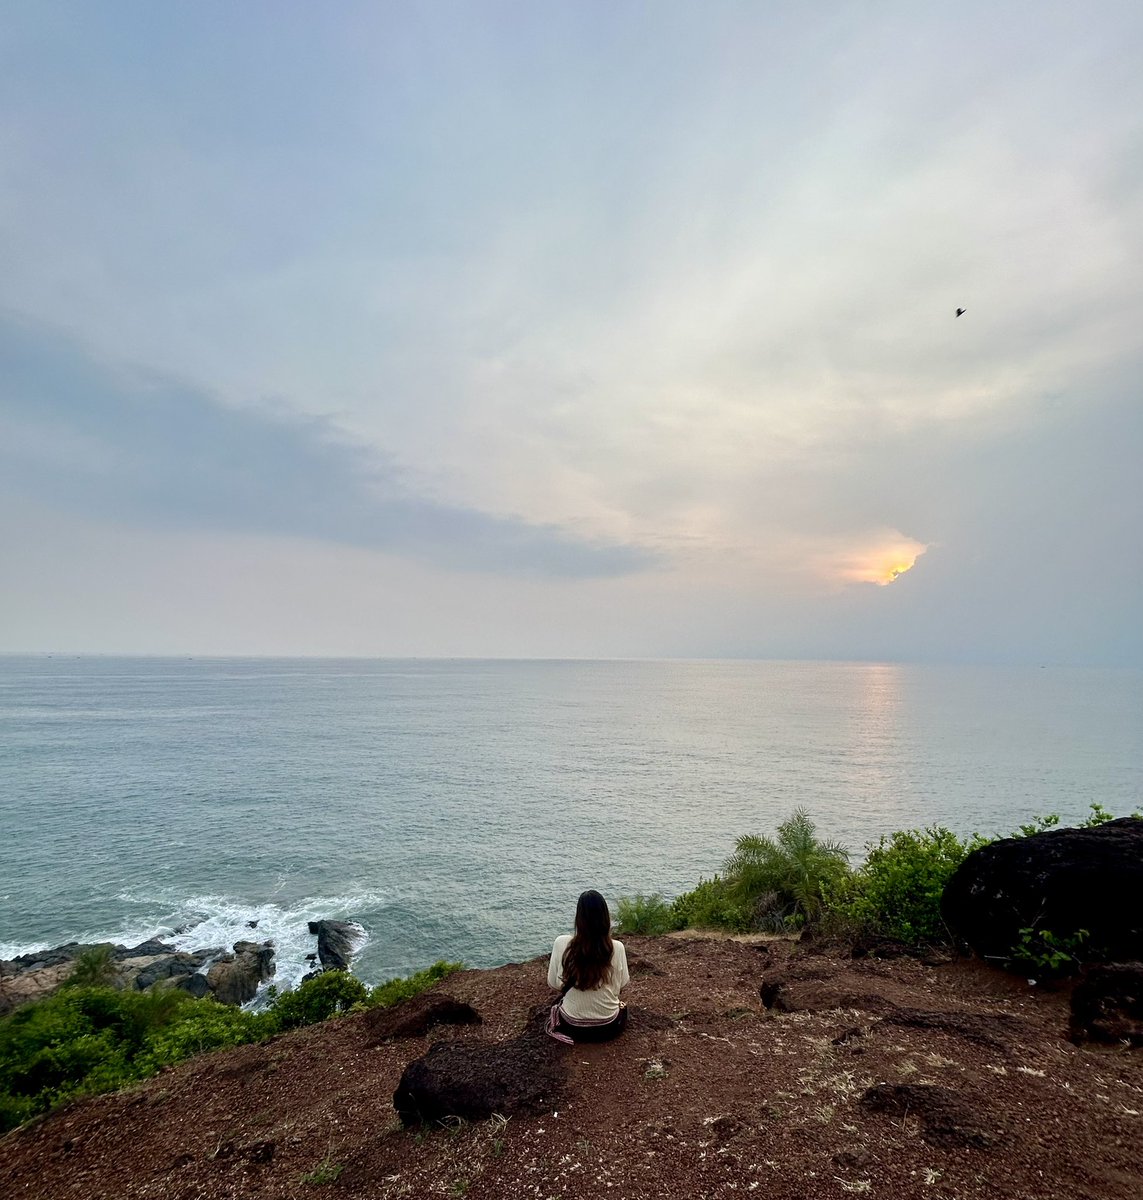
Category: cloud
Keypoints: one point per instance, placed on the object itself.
(145, 449)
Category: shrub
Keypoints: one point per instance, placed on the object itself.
(94, 967)
(709, 905)
(1048, 954)
(896, 893)
(83, 1040)
(385, 995)
(779, 882)
(325, 995)
(650, 915)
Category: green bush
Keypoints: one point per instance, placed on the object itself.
(779, 881)
(325, 995)
(650, 915)
(81, 1040)
(896, 892)
(709, 906)
(93, 967)
(1047, 954)
(86, 1039)
(385, 995)
(202, 1026)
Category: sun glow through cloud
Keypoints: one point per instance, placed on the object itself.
(883, 562)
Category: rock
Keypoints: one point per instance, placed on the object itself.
(948, 1119)
(1061, 881)
(415, 1017)
(197, 984)
(152, 948)
(337, 941)
(58, 956)
(473, 1080)
(1107, 1005)
(234, 979)
(167, 966)
(23, 987)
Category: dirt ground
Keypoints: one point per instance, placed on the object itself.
(865, 1077)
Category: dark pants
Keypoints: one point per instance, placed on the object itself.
(594, 1033)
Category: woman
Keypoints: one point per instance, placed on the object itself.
(590, 969)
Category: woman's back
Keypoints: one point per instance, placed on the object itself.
(598, 1004)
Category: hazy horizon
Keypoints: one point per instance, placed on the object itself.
(588, 331)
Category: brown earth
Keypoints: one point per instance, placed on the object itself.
(883, 1078)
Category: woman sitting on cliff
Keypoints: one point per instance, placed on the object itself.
(590, 969)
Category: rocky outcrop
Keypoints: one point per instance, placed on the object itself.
(474, 1080)
(415, 1017)
(337, 941)
(234, 978)
(150, 964)
(1107, 1005)
(1061, 881)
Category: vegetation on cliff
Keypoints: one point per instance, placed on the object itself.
(90, 1037)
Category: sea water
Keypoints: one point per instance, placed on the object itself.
(455, 809)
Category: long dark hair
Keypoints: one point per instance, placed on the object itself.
(587, 958)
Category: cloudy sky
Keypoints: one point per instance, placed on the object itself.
(563, 329)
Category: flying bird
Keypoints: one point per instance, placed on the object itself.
(960, 312)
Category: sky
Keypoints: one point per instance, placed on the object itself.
(572, 329)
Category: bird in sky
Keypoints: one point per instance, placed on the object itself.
(960, 312)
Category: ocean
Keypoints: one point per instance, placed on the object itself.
(456, 809)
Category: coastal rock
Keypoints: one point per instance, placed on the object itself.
(22, 986)
(168, 966)
(1062, 881)
(1107, 1006)
(234, 979)
(337, 941)
(474, 1080)
(196, 985)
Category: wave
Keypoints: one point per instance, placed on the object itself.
(206, 921)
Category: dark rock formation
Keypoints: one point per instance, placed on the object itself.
(1107, 1005)
(337, 941)
(1061, 881)
(415, 1017)
(948, 1119)
(196, 984)
(474, 1080)
(150, 964)
(171, 965)
(234, 979)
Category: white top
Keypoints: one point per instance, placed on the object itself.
(602, 1003)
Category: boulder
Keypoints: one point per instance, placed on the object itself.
(168, 966)
(474, 1080)
(1060, 881)
(196, 984)
(34, 983)
(234, 979)
(1107, 1005)
(415, 1017)
(337, 941)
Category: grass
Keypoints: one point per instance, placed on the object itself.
(327, 1171)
